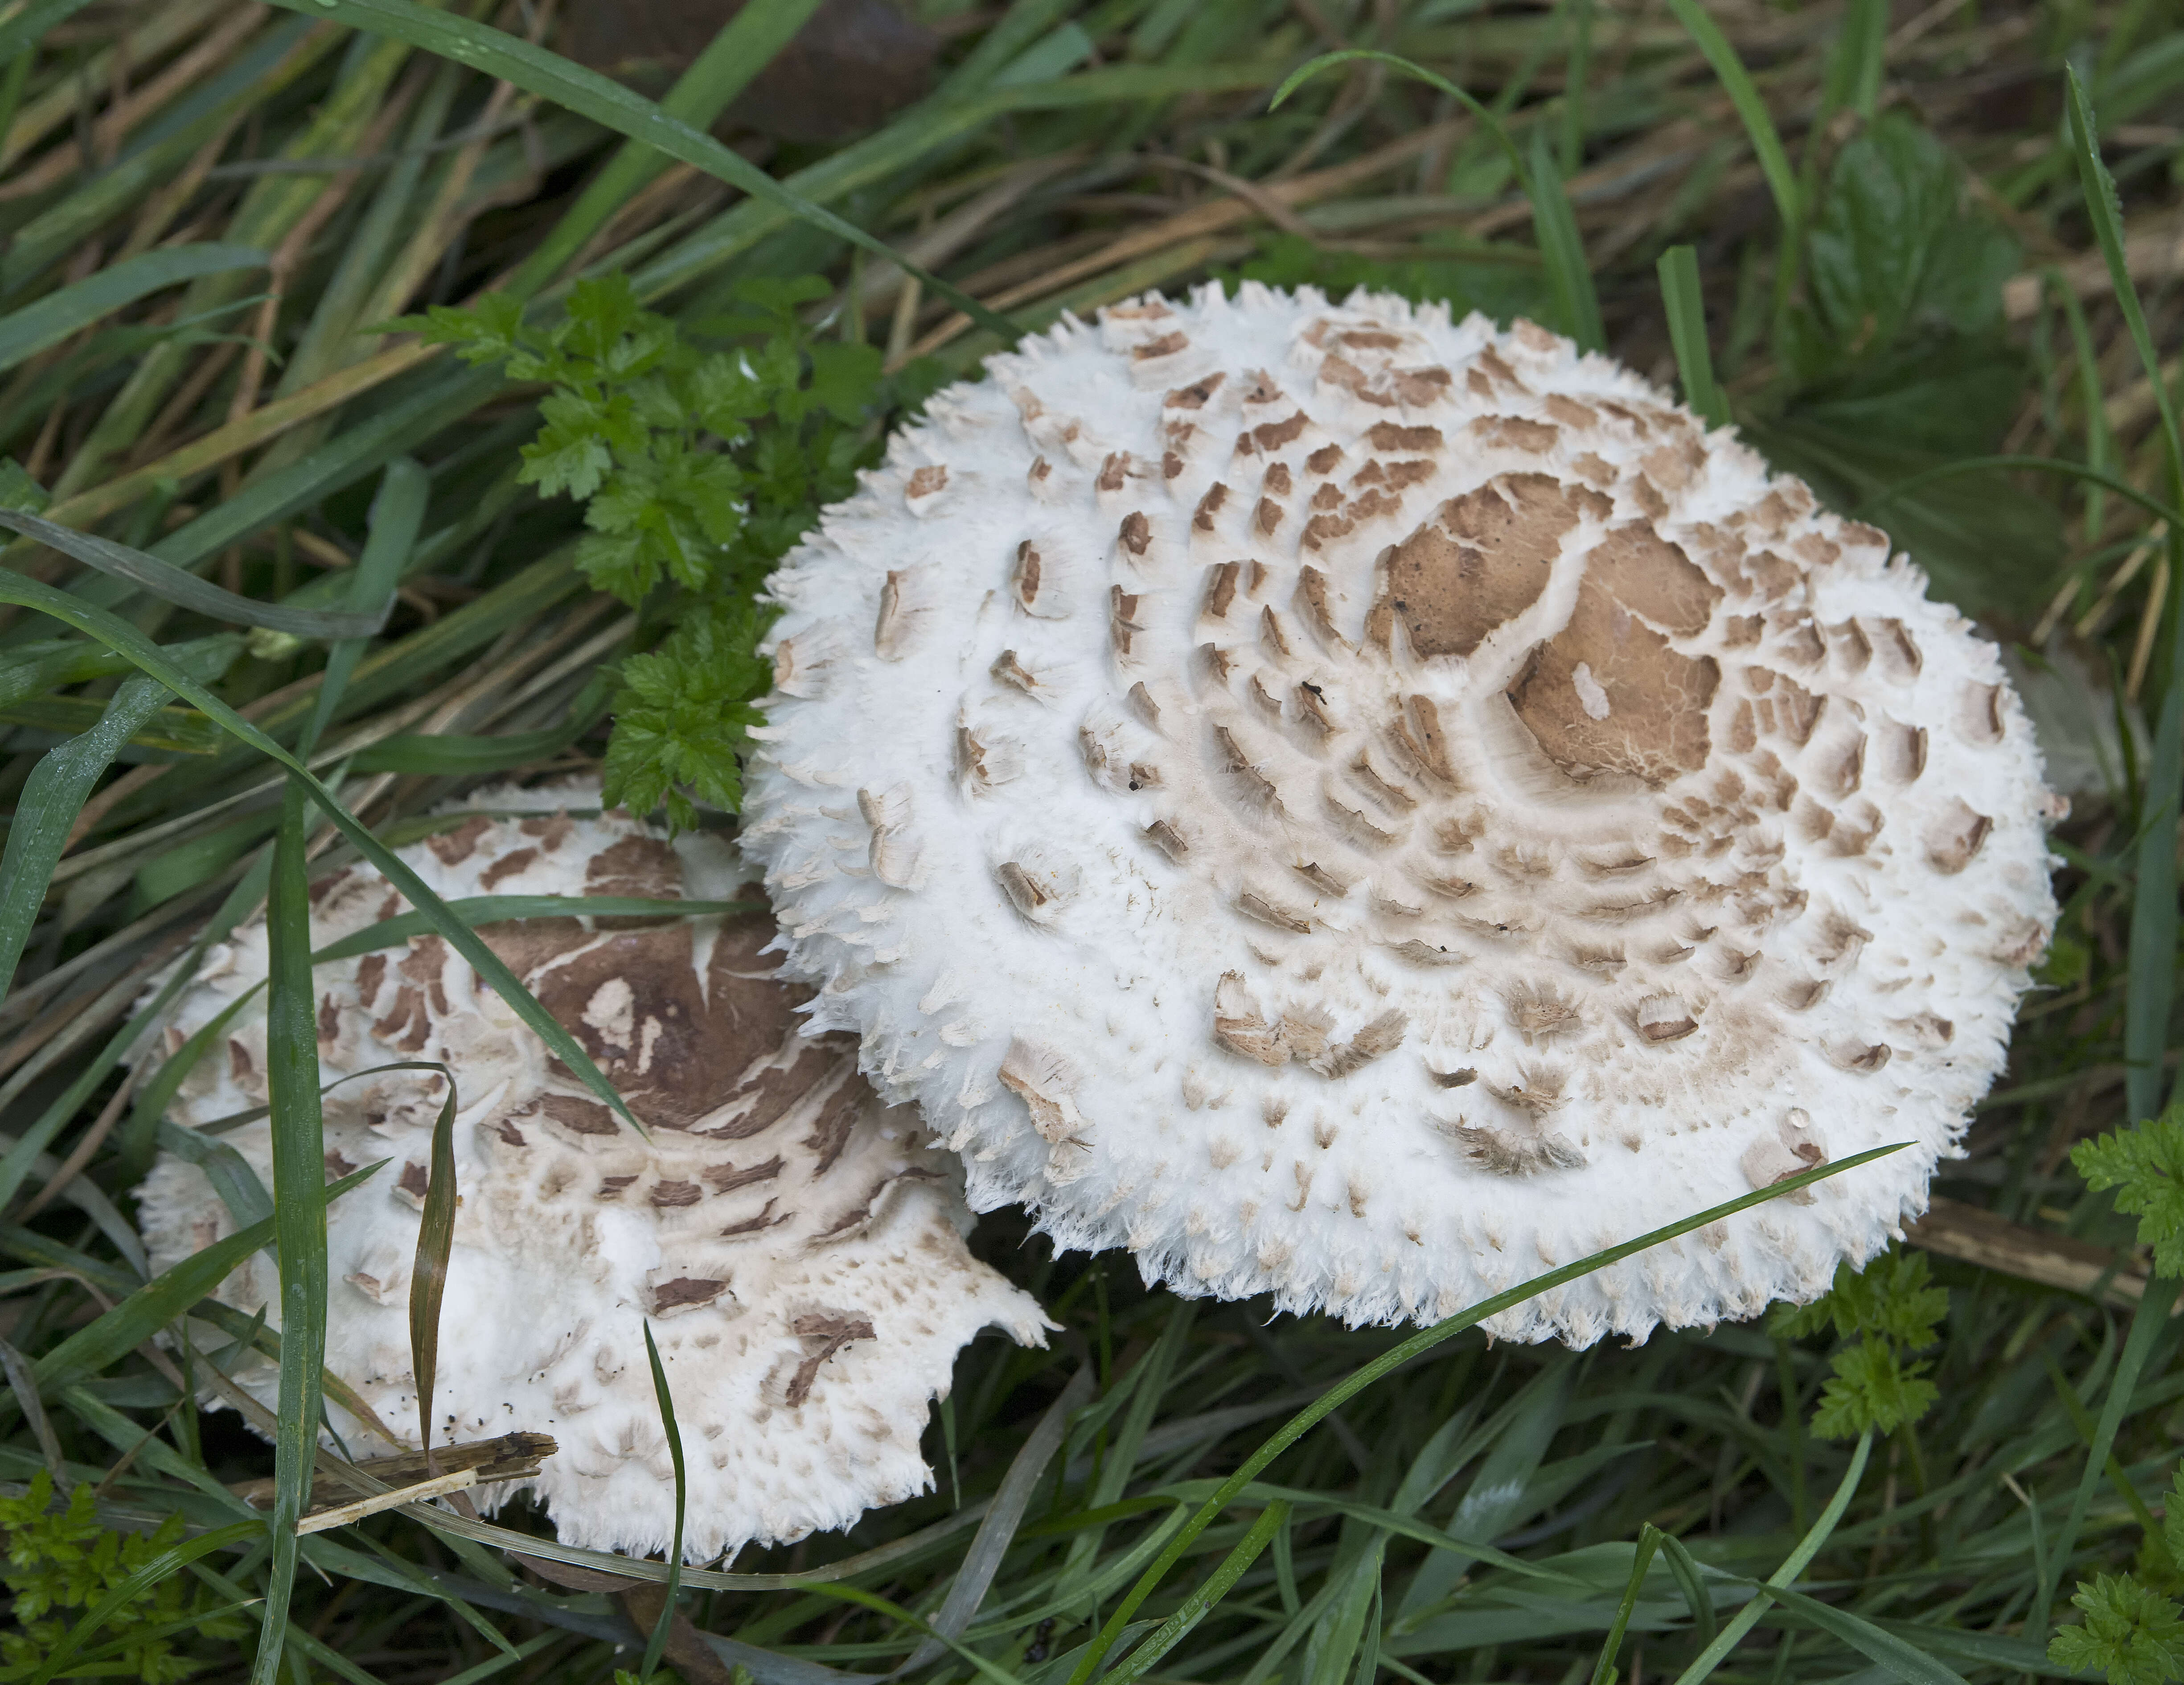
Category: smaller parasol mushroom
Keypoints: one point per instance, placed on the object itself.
(797, 1245)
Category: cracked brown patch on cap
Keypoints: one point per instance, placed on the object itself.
(642, 868)
(1653, 725)
(454, 847)
(1482, 560)
(678, 1051)
(1651, 576)
(822, 1335)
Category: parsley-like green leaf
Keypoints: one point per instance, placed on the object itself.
(59, 1562)
(699, 468)
(1892, 1297)
(684, 715)
(2145, 1166)
(1872, 1388)
(2131, 1634)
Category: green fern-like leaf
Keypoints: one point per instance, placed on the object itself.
(2145, 1167)
(2130, 1632)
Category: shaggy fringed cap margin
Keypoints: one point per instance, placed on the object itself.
(796, 1243)
(1365, 808)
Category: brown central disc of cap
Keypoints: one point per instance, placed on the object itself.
(1483, 557)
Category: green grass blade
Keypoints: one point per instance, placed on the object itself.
(124, 640)
(1641, 1559)
(35, 327)
(2151, 989)
(996, 1532)
(1686, 1570)
(1906, 1660)
(479, 911)
(1562, 249)
(1856, 63)
(171, 1560)
(23, 1382)
(745, 45)
(428, 1279)
(117, 1332)
(1747, 1617)
(1362, 1377)
(656, 1645)
(346, 457)
(607, 103)
(1177, 1628)
(2043, 464)
(397, 513)
(457, 754)
(46, 810)
(1684, 304)
(1492, 123)
(1758, 125)
(299, 1212)
(170, 584)
(2149, 1321)
(2105, 211)
(21, 31)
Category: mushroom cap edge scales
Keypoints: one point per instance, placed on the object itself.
(1365, 808)
(796, 1244)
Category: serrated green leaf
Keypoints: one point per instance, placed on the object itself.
(2130, 1632)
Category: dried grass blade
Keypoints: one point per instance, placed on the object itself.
(299, 1211)
(428, 1280)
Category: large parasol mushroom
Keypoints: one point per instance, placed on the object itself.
(1364, 807)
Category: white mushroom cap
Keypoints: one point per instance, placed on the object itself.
(796, 1244)
(1363, 807)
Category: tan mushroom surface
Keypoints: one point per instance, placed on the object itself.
(796, 1244)
(1366, 807)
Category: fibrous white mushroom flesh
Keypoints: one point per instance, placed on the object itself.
(797, 1245)
(1363, 808)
